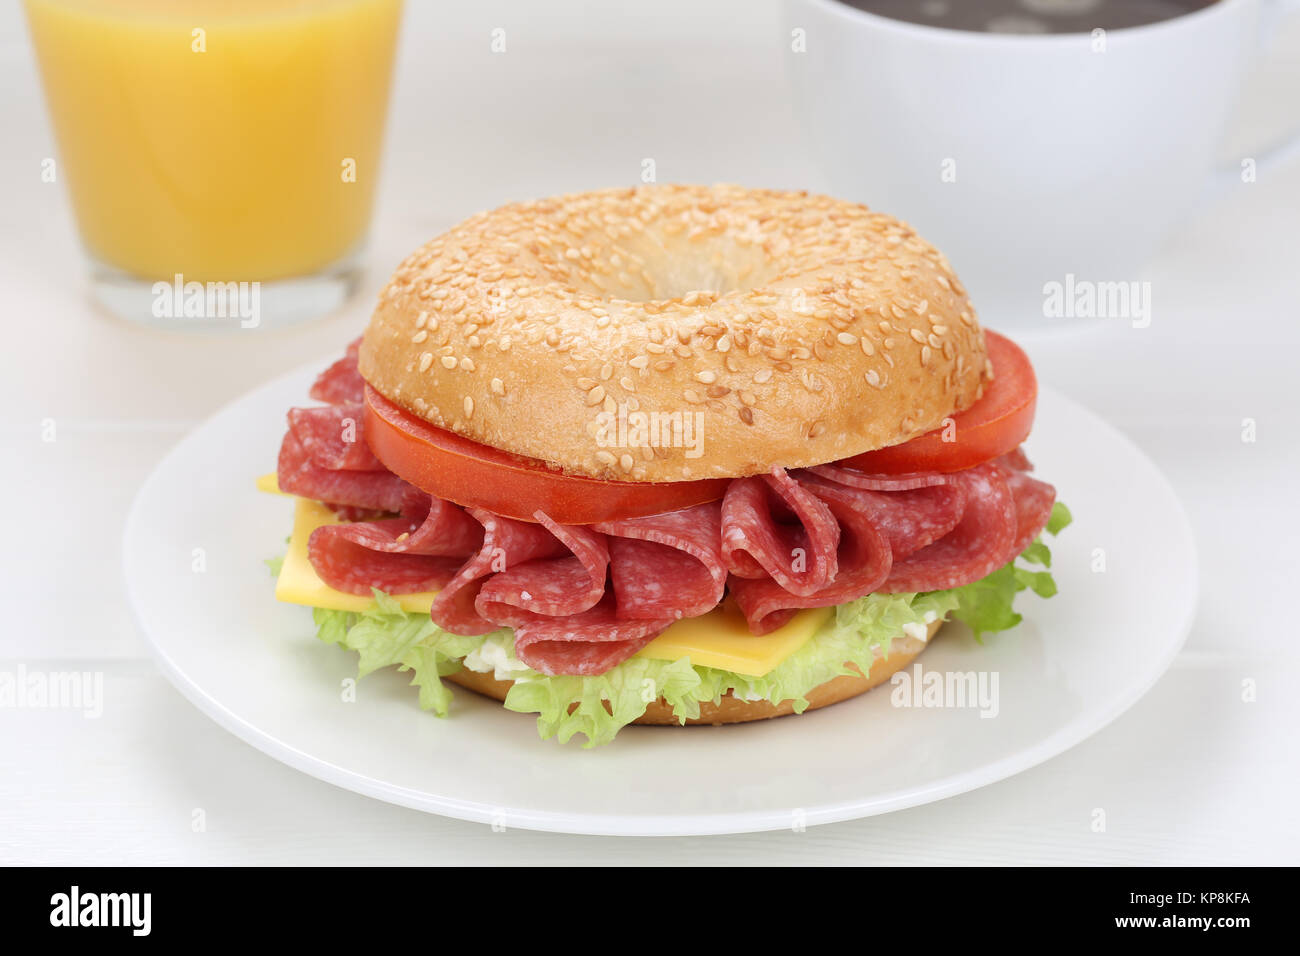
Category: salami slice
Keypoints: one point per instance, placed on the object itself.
(420, 551)
(431, 526)
(354, 568)
(342, 381)
(371, 490)
(977, 546)
(506, 544)
(560, 587)
(799, 553)
(588, 643)
(857, 479)
(1034, 500)
(667, 566)
(1016, 460)
(864, 559)
(333, 437)
(908, 519)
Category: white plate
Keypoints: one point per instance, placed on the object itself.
(193, 551)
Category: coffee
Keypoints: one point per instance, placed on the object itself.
(1031, 16)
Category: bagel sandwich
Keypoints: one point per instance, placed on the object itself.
(665, 455)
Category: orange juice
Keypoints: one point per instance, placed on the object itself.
(221, 139)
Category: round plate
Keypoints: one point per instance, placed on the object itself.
(193, 556)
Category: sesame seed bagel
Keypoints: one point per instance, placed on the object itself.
(670, 333)
(735, 710)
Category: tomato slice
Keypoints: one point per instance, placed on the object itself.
(996, 424)
(472, 474)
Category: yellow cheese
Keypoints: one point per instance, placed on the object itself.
(270, 483)
(718, 639)
(721, 639)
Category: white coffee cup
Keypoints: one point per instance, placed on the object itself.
(1029, 159)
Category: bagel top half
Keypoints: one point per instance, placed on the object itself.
(793, 330)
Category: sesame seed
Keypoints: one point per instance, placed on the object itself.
(425, 361)
(419, 336)
(847, 338)
(706, 377)
(469, 406)
(448, 361)
(498, 387)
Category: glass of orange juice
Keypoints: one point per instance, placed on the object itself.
(221, 155)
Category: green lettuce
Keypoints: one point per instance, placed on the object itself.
(598, 707)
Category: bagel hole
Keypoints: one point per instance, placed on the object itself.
(678, 268)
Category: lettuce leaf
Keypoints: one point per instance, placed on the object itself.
(598, 707)
(387, 636)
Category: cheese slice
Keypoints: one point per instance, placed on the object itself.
(270, 483)
(718, 639)
(721, 639)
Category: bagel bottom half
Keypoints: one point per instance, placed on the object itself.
(733, 710)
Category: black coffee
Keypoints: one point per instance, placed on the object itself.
(1031, 16)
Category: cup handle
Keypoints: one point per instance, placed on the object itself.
(1271, 16)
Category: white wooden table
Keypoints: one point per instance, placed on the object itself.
(1192, 774)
